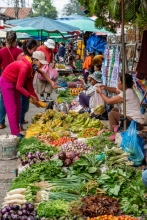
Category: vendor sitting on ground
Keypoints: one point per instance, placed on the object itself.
(77, 64)
(133, 111)
(86, 99)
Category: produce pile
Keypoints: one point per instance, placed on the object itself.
(64, 96)
(71, 178)
(111, 217)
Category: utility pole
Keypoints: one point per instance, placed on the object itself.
(123, 61)
(16, 7)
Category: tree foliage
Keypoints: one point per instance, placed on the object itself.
(108, 12)
(44, 7)
(73, 7)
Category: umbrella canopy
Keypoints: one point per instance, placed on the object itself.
(43, 23)
(44, 35)
(30, 30)
(85, 24)
(19, 35)
(73, 17)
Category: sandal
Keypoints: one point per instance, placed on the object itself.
(22, 129)
(2, 126)
(25, 122)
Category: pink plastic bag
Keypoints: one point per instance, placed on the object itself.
(51, 73)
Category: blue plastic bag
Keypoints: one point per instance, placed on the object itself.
(131, 144)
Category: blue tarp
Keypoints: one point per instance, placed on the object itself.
(96, 44)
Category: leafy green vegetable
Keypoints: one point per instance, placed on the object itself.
(39, 172)
(32, 145)
(87, 166)
(62, 195)
(99, 143)
(64, 96)
(125, 183)
(52, 209)
(31, 192)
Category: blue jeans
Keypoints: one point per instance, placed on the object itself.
(24, 108)
(144, 177)
(2, 110)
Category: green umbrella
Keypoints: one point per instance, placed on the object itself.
(84, 25)
(34, 32)
(30, 30)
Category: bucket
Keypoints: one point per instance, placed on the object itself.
(8, 145)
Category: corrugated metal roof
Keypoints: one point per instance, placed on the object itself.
(11, 12)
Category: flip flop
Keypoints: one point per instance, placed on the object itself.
(25, 122)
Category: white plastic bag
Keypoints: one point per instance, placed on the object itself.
(98, 100)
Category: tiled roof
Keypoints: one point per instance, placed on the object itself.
(10, 12)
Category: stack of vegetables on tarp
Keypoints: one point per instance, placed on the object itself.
(68, 171)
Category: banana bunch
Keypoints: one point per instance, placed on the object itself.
(69, 119)
(50, 113)
(94, 123)
(100, 109)
(36, 118)
(73, 113)
(82, 122)
(60, 115)
(54, 123)
(33, 130)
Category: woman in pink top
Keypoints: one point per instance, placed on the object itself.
(8, 55)
(43, 86)
(17, 79)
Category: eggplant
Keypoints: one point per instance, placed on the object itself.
(13, 216)
(24, 206)
(30, 156)
(11, 211)
(24, 217)
(4, 210)
(20, 213)
(5, 216)
(37, 153)
(30, 207)
(24, 211)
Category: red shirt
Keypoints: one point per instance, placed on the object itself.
(21, 73)
(48, 53)
(8, 55)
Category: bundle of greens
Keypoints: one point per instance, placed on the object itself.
(64, 96)
(32, 145)
(125, 183)
(53, 209)
(99, 143)
(39, 172)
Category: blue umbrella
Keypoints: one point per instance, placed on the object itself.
(42, 23)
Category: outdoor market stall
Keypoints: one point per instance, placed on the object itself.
(69, 169)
